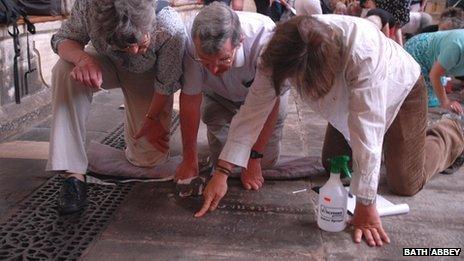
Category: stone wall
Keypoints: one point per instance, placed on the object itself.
(35, 105)
(41, 60)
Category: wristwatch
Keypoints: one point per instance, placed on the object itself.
(256, 155)
(366, 202)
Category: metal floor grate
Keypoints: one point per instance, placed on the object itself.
(37, 232)
(116, 138)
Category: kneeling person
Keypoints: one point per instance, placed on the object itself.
(134, 47)
(220, 66)
(370, 91)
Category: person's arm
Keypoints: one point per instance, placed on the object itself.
(69, 42)
(237, 5)
(190, 112)
(189, 124)
(367, 126)
(448, 59)
(435, 75)
(252, 177)
(167, 81)
(86, 69)
(244, 130)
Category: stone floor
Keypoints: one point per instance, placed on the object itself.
(152, 223)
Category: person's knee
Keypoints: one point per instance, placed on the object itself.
(212, 116)
(405, 189)
(271, 155)
(270, 161)
(61, 68)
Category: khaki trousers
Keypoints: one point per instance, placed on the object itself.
(413, 153)
(71, 103)
(217, 114)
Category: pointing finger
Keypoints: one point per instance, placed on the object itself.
(205, 207)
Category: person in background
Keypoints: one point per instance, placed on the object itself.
(439, 54)
(340, 9)
(370, 91)
(308, 7)
(398, 8)
(418, 6)
(417, 22)
(354, 9)
(382, 19)
(134, 47)
(237, 5)
(451, 18)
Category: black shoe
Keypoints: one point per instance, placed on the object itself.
(73, 196)
(457, 164)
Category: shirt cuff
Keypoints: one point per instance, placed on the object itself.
(55, 41)
(236, 153)
(366, 193)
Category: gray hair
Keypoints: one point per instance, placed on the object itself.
(452, 18)
(123, 22)
(214, 25)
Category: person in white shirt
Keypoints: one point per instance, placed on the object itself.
(369, 90)
(219, 66)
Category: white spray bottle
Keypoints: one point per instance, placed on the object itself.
(333, 197)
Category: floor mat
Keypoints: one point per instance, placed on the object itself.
(37, 232)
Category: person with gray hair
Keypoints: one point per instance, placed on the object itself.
(136, 45)
(451, 18)
(220, 66)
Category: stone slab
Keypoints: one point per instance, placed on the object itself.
(269, 223)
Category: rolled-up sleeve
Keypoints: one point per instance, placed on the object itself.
(366, 124)
(249, 121)
(74, 28)
(169, 63)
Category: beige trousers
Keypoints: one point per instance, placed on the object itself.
(217, 114)
(71, 104)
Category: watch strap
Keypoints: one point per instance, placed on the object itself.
(256, 155)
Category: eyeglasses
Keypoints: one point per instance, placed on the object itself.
(224, 61)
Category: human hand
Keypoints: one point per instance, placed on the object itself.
(367, 223)
(88, 72)
(213, 193)
(452, 106)
(252, 176)
(155, 133)
(187, 168)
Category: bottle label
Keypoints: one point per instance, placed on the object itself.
(334, 215)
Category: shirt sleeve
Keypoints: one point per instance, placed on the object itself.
(449, 56)
(247, 123)
(366, 124)
(169, 63)
(74, 28)
(192, 79)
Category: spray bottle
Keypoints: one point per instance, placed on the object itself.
(333, 197)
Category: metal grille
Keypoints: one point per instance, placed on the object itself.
(116, 138)
(37, 232)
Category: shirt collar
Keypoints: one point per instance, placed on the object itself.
(239, 60)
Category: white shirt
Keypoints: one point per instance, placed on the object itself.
(308, 7)
(363, 102)
(235, 82)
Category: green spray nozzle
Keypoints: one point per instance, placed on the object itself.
(339, 164)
